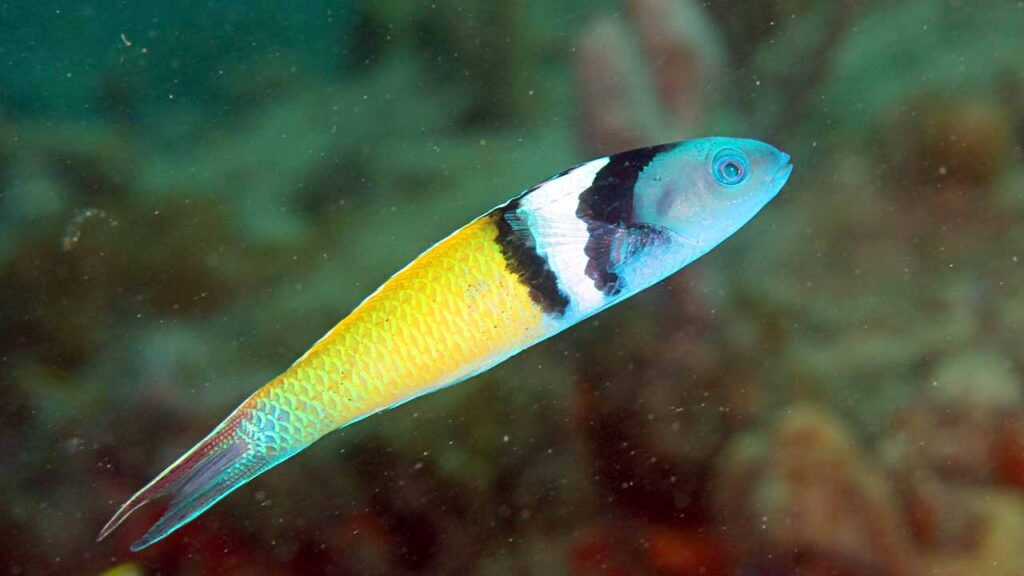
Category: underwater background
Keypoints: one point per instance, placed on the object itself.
(192, 192)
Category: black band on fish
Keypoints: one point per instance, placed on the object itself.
(519, 248)
(607, 208)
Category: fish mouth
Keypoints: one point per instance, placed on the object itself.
(781, 174)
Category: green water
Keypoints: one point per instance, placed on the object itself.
(191, 193)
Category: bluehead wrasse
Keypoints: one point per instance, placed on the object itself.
(560, 252)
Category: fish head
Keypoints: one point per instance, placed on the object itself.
(704, 190)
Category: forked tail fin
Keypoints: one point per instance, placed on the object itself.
(211, 470)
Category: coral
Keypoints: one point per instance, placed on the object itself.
(1008, 452)
(948, 153)
(608, 112)
(638, 548)
(995, 550)
(810, 501)
(648, 80)
(962, 422)
(126, 569)
(687, 553)
(819, 504)
(958, 440)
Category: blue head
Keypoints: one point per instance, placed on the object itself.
(704, 190)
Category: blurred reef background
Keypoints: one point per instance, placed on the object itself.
(191, 193)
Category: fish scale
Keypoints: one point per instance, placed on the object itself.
(442, 334)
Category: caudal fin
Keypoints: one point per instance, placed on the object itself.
(211, 470)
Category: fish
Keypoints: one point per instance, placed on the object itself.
(562, 251)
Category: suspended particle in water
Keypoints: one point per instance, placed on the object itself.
(73, 233)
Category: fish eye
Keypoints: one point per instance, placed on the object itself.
(729, 167)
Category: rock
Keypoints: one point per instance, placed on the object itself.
(958, 429)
